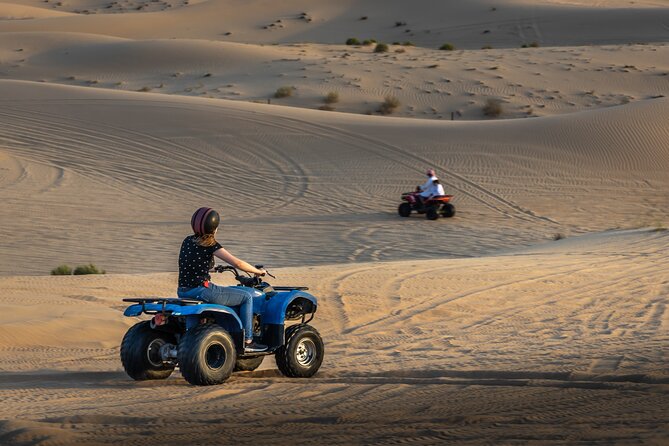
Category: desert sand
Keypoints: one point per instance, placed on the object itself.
(536, 315)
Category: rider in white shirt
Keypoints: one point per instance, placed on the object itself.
(425, 188)
(436, 189)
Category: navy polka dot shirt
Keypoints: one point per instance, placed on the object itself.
(195, 261)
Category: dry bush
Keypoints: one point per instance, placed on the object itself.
(493, 108)
(389, 105)
(331, 98)
(352, 41)
(326, 107)
(87, 269)
(284, 92)
(381, 48)
(447, 47)
(62, 270)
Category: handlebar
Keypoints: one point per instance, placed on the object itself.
(248, 280)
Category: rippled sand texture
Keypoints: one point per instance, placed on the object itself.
(536, 315)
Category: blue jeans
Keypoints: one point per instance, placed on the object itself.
(216, 294)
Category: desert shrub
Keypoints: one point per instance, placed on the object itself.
(283, 92)
(352, 41)
(492, 108)
(87, 269)
(364, 17)
(408, 43)
(400, 50)
(381, 48)
(398, 24)
(558, 236)
(326, 107)
(447, 47)
(145, 89)
(62, 270)
(534, 44)
(368, 42)
(486, 47)
(331, 98)
(389, 105)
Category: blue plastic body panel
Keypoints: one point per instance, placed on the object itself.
(272, 310)
(275, 308)
(183, 310)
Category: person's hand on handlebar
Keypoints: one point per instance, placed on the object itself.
(261, 272)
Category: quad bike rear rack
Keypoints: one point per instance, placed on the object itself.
(162, 300)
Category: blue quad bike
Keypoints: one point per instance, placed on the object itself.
(206, 340)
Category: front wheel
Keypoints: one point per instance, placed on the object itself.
(404, 210)
(207, 355)
(302, 354)
(431, 213)
(140, 352)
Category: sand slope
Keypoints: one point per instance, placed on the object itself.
(514, 347)
(335, 178)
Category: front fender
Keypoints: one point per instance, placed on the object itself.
(275, 312)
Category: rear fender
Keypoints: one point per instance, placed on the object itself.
(227, 320)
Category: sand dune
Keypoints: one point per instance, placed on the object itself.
(428, 84)
(74, 149)
(536, 315)
(469, 25)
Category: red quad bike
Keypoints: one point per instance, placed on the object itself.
(432, 208)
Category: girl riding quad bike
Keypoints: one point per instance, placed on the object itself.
(211, 331)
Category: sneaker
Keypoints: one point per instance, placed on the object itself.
(254, 348)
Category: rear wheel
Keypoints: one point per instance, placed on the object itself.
(302, 354)
(404, 210)
(431, 213)
(448, 210)
(248, 364)
(140, 352)
(207, 355)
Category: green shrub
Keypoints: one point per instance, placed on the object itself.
(368, 42)
(62, 270)
(87, 269)
(331, 98)
(408, 43)
(381, 48)
(352, 41)
(283, 92)
(389, 105)
(447, 47)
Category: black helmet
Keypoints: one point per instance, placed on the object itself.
(205, 221)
